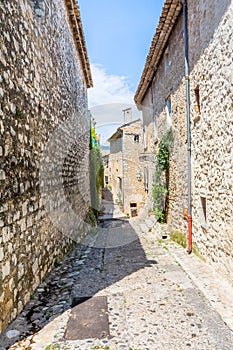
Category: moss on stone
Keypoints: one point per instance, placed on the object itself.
(178, 237)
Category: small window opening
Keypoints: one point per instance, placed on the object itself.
(133, 209)
(203, 204)
(133, 205)
(197, 96)
(106, 180)
(136, 138)
(167, 63)
(169, 110)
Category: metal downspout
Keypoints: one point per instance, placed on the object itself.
(187, 84)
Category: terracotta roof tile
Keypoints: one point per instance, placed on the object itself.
(170, 13)
(79, 40)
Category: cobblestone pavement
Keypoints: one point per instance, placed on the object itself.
(152, 302)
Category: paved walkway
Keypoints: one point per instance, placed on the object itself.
(111, 210)
(152, 302)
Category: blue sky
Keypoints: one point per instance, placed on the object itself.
(118, 36)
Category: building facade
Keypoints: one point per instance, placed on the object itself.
(162, 91)
(44, 76)
(127, 177)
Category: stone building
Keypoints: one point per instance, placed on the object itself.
(44, 76)
(126, 174)
(107, 173)
(162, 96)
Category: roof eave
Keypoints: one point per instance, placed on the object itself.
(170, 13)
(79, 39)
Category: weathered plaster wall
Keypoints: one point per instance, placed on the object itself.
(212, 131)
(41, 86)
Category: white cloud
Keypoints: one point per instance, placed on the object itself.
(108, 88)
(108, 98)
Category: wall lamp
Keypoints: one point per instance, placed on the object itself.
(139, 177)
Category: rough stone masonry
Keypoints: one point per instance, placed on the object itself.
(44, 75)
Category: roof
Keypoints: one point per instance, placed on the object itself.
(119, 132)
(170, 13)
(116, 135)
(78, 35)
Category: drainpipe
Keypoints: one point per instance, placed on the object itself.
(187, 83)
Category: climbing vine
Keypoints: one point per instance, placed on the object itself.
(161, 178)
(96, 172)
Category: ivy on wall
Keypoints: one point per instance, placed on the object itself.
(96, 172)
(160, 186)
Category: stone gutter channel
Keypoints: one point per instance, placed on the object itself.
(152, 288)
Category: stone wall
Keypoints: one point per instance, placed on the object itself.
(167, 84)
(126, 145)
(41, 87)
(115, 167)
(211, 78)
(149, 139)
(134, 191)
(210, 26)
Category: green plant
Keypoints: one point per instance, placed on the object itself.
(56, 262)
(196, 251)
(52, 347)
(178, 237)
(96, 172)
(90, 217)
(161, 178)
(19, 114)
(163, 156)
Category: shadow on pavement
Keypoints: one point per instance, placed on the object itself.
(106, 257)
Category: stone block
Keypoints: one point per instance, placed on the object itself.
(1, 254)
(149, 223)
(6, 269)
(144, 228)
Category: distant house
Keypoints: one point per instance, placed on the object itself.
(107, 173)
(127, 178)
(196, 105)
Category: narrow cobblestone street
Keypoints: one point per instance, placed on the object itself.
(152, 303)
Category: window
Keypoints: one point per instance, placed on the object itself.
(169, 110)
(133, 209)
(197, 96)
(167, 63)
(136, 138)
(203, 204)
(120, 184)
